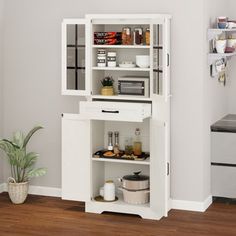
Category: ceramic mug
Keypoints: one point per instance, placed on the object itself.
(220, 45)
(222, 22)
(223, 25)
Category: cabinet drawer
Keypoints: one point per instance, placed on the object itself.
(223, 182)
(119, 111)
(223, 147)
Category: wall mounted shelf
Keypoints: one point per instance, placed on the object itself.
(213, 33)
(212, 57)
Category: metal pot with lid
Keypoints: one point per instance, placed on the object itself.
(135, 181)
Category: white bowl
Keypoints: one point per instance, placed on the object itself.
(143, 61)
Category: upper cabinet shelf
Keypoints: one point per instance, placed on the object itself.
(122, 46)
(121, 69)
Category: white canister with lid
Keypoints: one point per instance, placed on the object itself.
(111, 59)
(109, 191)
(101, 58)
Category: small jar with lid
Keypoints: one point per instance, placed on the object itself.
(111, 59)
(126, 36)
(138, 36)
(147, 36)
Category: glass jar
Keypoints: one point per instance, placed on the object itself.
(128, 146)
(147, 36)
(138, 36)
(126, 36)
(137, 143)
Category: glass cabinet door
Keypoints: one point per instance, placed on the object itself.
(74, 56)
(160, 40)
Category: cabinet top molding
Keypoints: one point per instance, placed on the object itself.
(127, 16)
(122, 16)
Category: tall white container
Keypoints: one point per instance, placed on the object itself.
(109, 191)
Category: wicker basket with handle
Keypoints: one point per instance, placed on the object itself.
(17, 191)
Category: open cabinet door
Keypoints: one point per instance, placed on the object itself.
(75, 158)
(75, 57)
(158, 169)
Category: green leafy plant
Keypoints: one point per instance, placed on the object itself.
(21, 162)
(107, 81)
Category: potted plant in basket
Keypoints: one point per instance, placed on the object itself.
(107, 84)
(21, 163)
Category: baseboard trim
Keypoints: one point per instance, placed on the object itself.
(173, 204)
(44, 191)
(2, 187)
(37, 190)
(191, 205)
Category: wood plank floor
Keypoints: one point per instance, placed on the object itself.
(52, 216)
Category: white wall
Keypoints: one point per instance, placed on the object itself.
(232, 81)
(215, 98)
(1, 82)
(32, 83)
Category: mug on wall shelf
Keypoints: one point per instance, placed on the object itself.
(222, 22)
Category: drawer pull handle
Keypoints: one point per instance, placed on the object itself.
(105, 111)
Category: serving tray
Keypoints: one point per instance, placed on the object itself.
(122, 156)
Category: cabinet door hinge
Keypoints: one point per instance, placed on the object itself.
(168, 168)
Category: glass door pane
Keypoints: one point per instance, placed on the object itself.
(157, 59)
(76, 57)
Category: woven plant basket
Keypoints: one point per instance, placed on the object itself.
(17, 191)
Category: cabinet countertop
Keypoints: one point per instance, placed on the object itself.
(227, 124)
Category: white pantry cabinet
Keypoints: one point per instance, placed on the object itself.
(85, 133)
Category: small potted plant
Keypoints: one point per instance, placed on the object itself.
(107, 86)
(21, 163)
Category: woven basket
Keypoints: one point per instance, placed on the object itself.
(17, 191)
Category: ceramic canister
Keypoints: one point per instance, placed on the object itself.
(101, 58)
(109, 191)
(220, 45)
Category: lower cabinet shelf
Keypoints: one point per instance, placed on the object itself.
(120, 206)
(144, 162)
(121, 202)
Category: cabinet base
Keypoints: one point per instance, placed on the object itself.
(144, 211)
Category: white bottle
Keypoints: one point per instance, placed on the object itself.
(109, 191)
